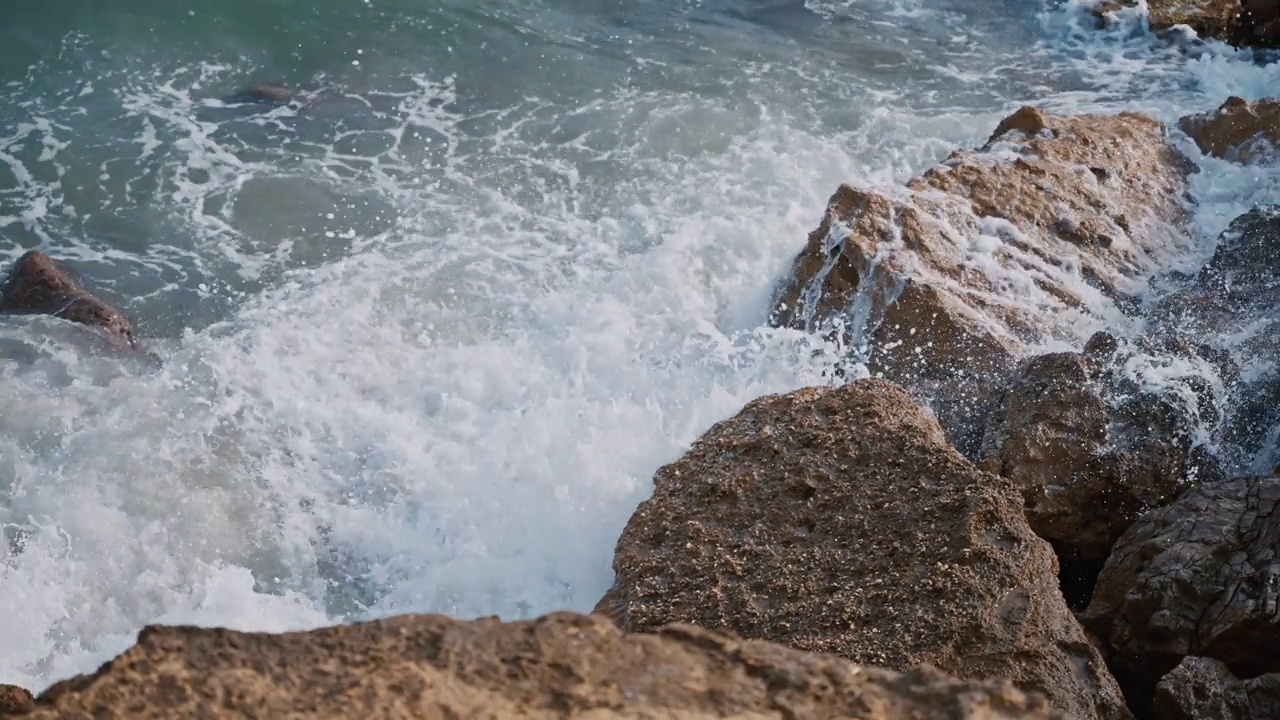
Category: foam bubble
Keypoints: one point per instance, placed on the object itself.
(450, 395)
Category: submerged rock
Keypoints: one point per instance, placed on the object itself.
(1204, 689)
(38, 284)
(559, 666)
(270, 94)
(1237, 130)
(14, 700)
(1199, 577)
(840, 520)
(940, 288)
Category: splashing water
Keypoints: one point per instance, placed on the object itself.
(429, 330)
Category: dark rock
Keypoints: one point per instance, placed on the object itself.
(1090, 451)
(1086, 206)
(270, 94)
(1259, 24)
(1231, 303)
(14, 700)
(840, 520)
(38, 284)
(1199, 577)
(559, 666)
(1204, 689)
(1237, 130)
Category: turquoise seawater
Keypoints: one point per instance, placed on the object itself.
(428, 331)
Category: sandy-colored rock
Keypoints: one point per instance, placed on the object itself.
(1199, 577)
(38, 284)
(1209, 18)
(1091, 450)
(1237, 130)
(559, 666)
(1204, 689)
(14, 700)
(840, 520)
(1033, 236)
(1251, 23)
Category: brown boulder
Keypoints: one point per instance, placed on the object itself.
(38, 284)
(1091, 450)
(1204, 689)
(1252, 23)
(941, 287)
(1209, 18)
(559, 666)
(1237, 130)
(1199, 577)
(14, 700)
(840, 520)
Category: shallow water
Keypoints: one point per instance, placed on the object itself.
(428, 334)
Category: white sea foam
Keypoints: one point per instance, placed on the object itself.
(427, 357)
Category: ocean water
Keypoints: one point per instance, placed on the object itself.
(428, 332)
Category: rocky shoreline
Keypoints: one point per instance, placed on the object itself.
(982, 529)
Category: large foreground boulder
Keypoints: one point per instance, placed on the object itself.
(1199, 577)
(840, 520)
(1091, 449)
(1204, 689)
(38, 284)
(559, 666)
(1237, 130)
(1045, 229)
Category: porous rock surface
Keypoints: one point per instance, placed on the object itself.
(1199, 577)
(1237, 130)
(840, 520)
(14, 700)
(562, 665)
(1204, 689)
(1090, 450)
(1052, 222)
(1252, 23)
(38, 284)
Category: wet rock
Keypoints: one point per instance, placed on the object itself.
(940, 286)
(1091, 449)
(269, 94)
(1232, 304)
(1210, 19)
(1238, 130)
(1199, 577)
(1259, 24)
(559, 666)
(38, 284)
(840, 520)
(1253, 23)
(1204, 689)
(14, 700)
